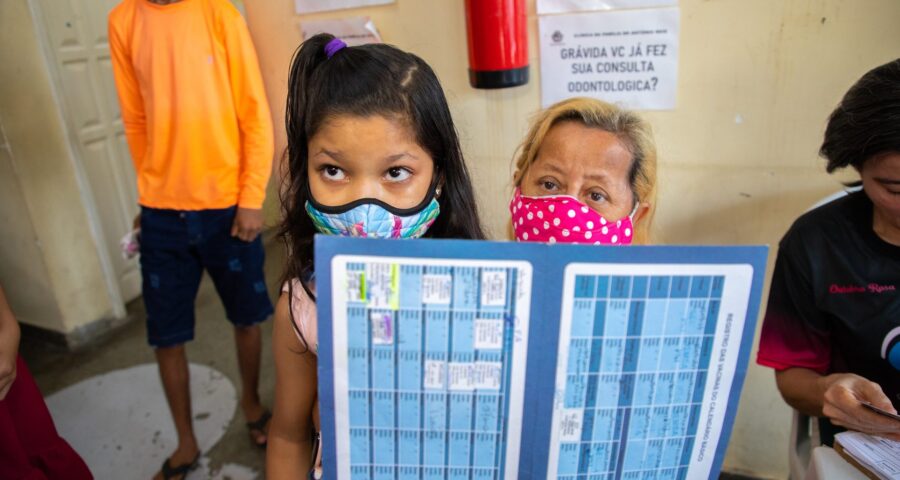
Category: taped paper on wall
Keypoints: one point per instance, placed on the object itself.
(312, 6)
(571, 6)
(352, 30)
(624, 57)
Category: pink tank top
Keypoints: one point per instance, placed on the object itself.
(303, 313)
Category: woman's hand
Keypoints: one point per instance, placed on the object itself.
(842, 399)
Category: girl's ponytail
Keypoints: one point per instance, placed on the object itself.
(308, 57)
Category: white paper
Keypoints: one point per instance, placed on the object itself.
(352, 30)
(435, 377)
(570, 425)
(625, 57)
(310, 6)
(568, 6)
(382, 328)
(356, 291)
(131, 244)
(880, 455)
(488, 334)
(378, 281)
(493, 289)
(436, 289)
(486, 375)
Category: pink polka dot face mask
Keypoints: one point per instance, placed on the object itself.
(564, 219)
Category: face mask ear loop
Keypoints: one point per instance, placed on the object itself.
(637, 205)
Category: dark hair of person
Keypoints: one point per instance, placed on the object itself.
(367, 80)
(867, 121)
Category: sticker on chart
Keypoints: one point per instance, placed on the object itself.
(382, 328)
(486, 375)
(488, 333)
(460, 376)
(382, 285)
(570, 425)
(436, 289)
(435, 377)
(493, 289)
(356, 286)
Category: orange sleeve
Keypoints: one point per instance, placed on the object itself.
(252, 108)
(131, 103)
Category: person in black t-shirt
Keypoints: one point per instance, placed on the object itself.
(832, 327)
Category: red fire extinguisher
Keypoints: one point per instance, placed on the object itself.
(498, 43)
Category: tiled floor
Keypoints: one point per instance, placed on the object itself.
(213, 346)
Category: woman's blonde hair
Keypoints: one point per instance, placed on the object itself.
(632, 131)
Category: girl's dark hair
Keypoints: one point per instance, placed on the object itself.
(867, 121)
(366, 80)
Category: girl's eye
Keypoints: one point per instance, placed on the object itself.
(597, 197)
(398, 174)
(330, 172)
(548, 185)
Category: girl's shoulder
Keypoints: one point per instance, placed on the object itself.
(303, 312)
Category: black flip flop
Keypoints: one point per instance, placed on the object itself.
(169, 472)
(260, 426)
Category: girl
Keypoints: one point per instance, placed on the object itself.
(372, 152)
(586, 173)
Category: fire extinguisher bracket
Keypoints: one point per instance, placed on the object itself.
(489, 79)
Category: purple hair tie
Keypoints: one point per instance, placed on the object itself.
(334, 46)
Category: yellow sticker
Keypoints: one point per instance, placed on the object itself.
(395, 287)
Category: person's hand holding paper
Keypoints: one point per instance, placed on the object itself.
(844, 394)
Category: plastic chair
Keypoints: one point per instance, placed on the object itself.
(804, 438)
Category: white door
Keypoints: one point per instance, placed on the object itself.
(75, 35)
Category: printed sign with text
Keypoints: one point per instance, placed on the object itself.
(626, 57)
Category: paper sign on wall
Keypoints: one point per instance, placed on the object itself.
(568, 6)
(352, 30)
(311, 6)
(626, 57)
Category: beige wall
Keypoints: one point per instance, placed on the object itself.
(49, 262)
(738, 157)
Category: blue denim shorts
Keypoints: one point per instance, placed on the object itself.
(176, 246)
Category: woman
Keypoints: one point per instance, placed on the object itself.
(832, 328)
(586, 173)
(30, 447)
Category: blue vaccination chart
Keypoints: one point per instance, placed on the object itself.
(454, 359)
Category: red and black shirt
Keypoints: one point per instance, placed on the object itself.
(834, 304)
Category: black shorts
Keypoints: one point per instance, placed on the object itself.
(176, 246)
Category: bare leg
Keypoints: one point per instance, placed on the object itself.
(249, 350)
(173, 369)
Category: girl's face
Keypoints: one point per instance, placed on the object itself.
(587, 163)
(353, 157)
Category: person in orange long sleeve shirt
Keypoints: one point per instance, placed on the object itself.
(200, 135)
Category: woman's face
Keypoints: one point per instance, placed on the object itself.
(587, 163)
(881, 181)
(353, 157)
